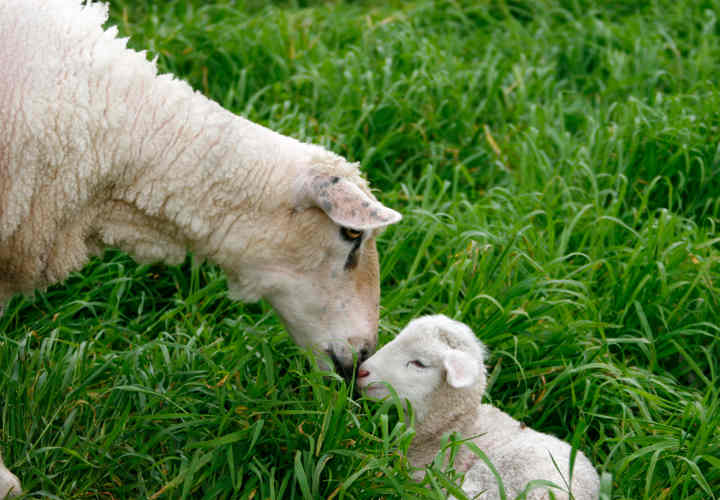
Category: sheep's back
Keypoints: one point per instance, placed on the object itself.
(521, 454)
(76, 111)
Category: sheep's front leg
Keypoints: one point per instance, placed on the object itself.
(9, 483)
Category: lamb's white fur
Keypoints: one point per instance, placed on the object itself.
(97, 149)
(446, 397)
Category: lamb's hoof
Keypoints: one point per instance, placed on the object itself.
(9, 484)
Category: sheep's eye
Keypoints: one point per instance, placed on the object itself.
(418, 363)
(350, 234)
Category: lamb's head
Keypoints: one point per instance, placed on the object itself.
(431, 354)
(319, 266)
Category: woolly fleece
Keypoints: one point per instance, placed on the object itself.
(437, 364)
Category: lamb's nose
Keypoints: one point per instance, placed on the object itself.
(363, 373)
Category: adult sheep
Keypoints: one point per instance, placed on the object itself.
(97, 150)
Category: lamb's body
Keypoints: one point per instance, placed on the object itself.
(446, 395)
(97, 149)
(504, 439)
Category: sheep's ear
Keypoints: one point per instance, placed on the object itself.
(345, 203)
(461, 369)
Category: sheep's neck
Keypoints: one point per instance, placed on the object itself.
(192, 162)
(107, 153)
(457, 412)
(188, 173)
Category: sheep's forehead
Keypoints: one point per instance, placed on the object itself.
(439, 332)
(398, 350)
(418, 344)
(323, 161)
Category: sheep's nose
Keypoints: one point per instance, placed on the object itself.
(346, 357)
(344, 369)
(363, 373)
(363, 347)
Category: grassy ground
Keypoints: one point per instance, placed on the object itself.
(557, 163)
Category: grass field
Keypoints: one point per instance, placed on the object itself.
(557, 163)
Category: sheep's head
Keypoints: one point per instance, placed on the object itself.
(319, 266)
(432, 353)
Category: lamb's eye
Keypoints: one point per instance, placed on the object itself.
(350, 234)
(418, 363)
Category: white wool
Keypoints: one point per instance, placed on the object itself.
(9, 484)
(97, 150)
(437, 365)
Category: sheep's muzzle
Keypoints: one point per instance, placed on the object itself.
(347, 371)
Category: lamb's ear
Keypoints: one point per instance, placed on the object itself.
(345, 203)
(462, 370)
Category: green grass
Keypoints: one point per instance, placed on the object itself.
(558, 166)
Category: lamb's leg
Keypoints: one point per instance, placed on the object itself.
(9, 483)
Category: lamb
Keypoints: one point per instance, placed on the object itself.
(97, 149)
(437, 365)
